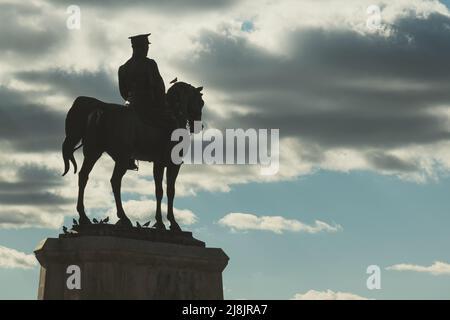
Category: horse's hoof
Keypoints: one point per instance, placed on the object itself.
(159, 225)
(175, 227)
(84, 221)
(124, 222)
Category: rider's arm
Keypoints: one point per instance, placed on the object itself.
(159, 88)
(122, 85)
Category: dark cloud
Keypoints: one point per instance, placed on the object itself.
(31, 186)
(390, 162)
(32, 178)
(27, 126)
(417, 49)
(336, 87)
(33, 198)
(174, 7)
(40, 34)
(100, 84)
(351, 129)
(20, 218)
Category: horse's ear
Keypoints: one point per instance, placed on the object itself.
(199, 89)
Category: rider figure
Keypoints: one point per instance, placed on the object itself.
(140, 82)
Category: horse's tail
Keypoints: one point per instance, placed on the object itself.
(76, 122)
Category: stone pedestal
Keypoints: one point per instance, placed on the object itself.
(141, 264)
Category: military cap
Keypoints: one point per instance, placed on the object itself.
(140, 39)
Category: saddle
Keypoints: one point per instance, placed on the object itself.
(155, 117)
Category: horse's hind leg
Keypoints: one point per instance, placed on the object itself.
(83, 177)
(172, 173)
(158, 174)
(116, 182)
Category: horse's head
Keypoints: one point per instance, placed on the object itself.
(195, 108)
(187, 103)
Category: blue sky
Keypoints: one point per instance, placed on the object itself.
(364, 137)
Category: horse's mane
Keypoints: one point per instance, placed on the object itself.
(178, 93)
(179, 86)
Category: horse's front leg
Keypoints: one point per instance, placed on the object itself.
(172, 173)
(158, 174)
(116, 182)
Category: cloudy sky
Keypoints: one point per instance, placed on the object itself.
(363, 109)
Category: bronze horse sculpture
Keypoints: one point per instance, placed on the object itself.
(115, 129)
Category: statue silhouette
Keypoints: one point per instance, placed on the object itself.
(141, 132)
(140, 82)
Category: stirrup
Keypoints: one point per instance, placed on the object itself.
(134, 166)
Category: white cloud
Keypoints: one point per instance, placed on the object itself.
(11, 259)
(327, 295)
(277, 224)
(437, 268)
